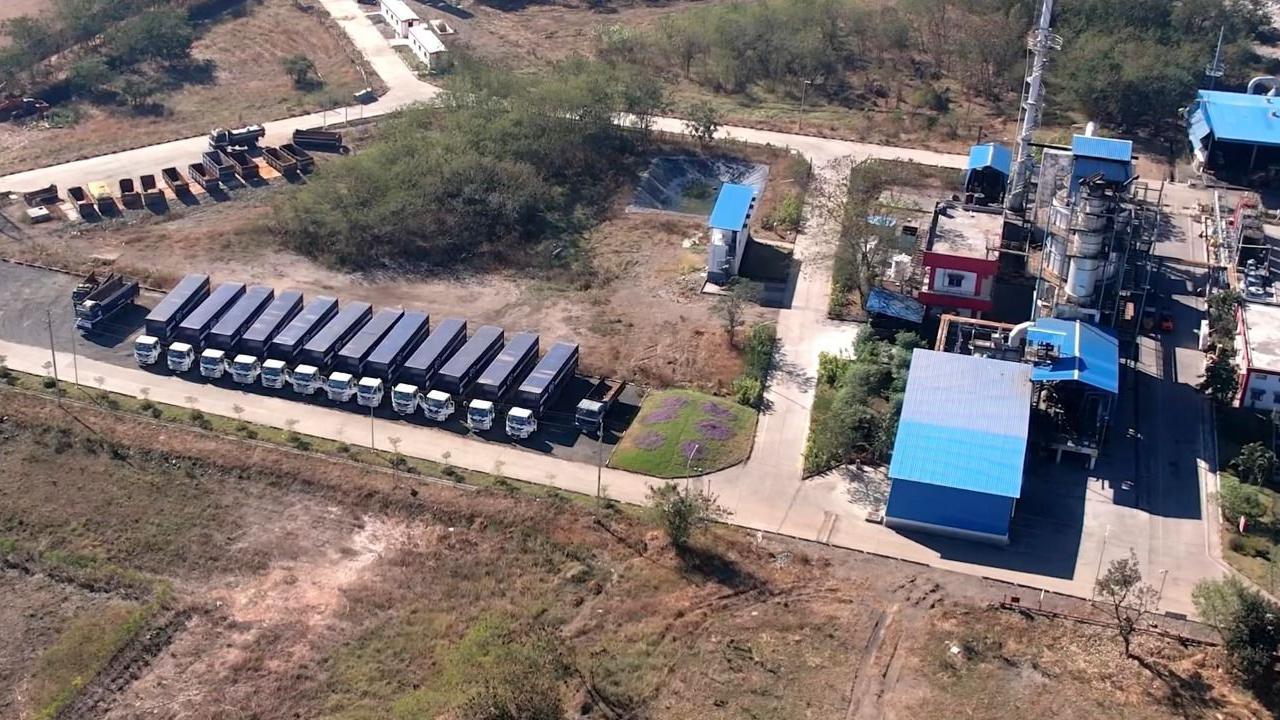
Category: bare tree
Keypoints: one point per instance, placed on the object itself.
(1128, 597)
(732, 307)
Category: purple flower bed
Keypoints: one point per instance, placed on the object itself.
(714, 429)
(667, 410)
(691, 447)
(717, 410)
(650, 440)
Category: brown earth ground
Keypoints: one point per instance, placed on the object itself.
(250, 85)
(332, 591)
(637, 312)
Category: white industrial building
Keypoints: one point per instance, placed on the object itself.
(1258, 355)
(400, 17)
(429, 48)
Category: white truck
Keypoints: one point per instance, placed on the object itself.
(163, 320)
(497, 380)
(383, 364)
(226, 333)
(457, 375)
(541, 388)
(193, 330)
(419, 371)
(245, 365)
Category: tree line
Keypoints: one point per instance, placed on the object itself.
(509, 170)
(1130, 65)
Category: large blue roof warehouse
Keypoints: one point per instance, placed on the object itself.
(961, 444)
(1235, 132)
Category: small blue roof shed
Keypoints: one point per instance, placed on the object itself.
(960, 448)
(990, 155)
(1085, 353)
(732, 207)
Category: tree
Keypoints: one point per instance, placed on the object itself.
(1255, 464)
(1248, 623)
(88, 76)
(138, 89)
(732, 307)
(1221, 379)
(683, 512)
(163, 35)
(703, 122)
(1238, 500)
(301, 69)
(1222, 311)
(1129, 598)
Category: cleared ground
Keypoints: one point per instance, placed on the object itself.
(310, 589)
(249, 85)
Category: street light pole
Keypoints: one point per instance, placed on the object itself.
(53, 357)
(372, 446)
(688, 466)
(1101, 553)
(804, 89)
(1164, 575)
(600, 461)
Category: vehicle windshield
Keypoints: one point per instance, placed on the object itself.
(145, 347)
(211, 362)
(338, 384)
(477, 413)
(518, 421)
(398, 395)
(433, 403)
(242, 366)
(176, 354)
(271, 372)
(304, 376)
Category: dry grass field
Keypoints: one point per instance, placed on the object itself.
(249, 85)
(186, 575)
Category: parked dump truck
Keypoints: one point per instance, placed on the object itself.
(174, 180)
(348, 364)
(16, 107)
(317, 355)
(323, 140)
(103, 200)
(95, 301)
(84, 204)
(40, 198)
(164, 318)
(151, 192)
(457, 375)
(503, 374)
(419, 371)
(246, 365)
(243, 165)
(129, 195)
(216, 162)
(280, 161)
(382, 365)
(592, 409)
(203, 176)
(538, 391)
(242, 138)
(286, 345)
(193, 330)
(306, 163)
(226, 333)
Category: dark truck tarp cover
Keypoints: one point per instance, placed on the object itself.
(539, 381)
(279, 312)
(353, 353)
(177, 298)
(240, 314)
(477, 349)
(319, 310)
(409, 328)
(443, 339)
(339, 327)
(508, 361)
(208, 311)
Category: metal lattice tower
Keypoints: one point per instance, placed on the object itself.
(1040, 42)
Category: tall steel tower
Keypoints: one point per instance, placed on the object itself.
(1040, 42)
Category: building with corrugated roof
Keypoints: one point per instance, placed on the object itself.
(730, 230)
(1234, 132)
(960, 448)
(986, 175)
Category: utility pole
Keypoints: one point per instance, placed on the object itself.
(600, 461)
(75, 364)
(371, 441)
(1216, 69)
(804, 89)
(53, 356)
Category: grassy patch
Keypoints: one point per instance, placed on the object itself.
(83, 649)
(675, 423)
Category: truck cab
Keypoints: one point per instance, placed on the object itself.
(404, 398)
(369, 392)
(480, 414)
(305, 379)
(437, 405)
(180, 357)
(213, 363)
(274, 374)
(340, 386)
(245, 369)
(521, 423)
(146, 350)
(589, 414)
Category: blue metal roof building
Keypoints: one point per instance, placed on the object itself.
(1082, 353)
(987, 173)
(1092, 155)
(1234, 130)
(729, 231)
(960, 448)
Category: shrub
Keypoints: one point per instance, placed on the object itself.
(788, 214)
(48, 383)
(748, 391)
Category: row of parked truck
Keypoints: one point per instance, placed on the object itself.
(348, 350)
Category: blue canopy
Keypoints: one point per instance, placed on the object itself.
(1086, 353)
(990, 155)
(732, 207)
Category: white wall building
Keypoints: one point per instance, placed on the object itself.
(429, 48)
(400, 17)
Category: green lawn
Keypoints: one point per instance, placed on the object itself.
(673, 424)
